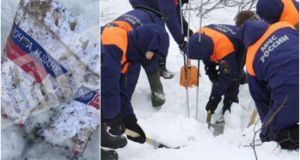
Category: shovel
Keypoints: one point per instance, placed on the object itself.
(150, 141)
(189, 79)
(218, 127)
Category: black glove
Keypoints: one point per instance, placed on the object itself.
(109, 140)
(243, 78)
(183, 47)
(212, 104)
(228, 103)
(116, 125)
(212, 72)
(131, 123)
(288, 138)
(190, 32)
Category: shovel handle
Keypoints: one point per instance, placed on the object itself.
(208, 119)
(148, 140)
(131, 133)
(189, 63)
(252, 118)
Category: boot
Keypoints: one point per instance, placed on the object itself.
(111, 141)
(109, 155)
(163, 70)
(157, 92)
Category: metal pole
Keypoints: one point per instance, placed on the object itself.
(187, 45)
(184, 61)
(200, 21)
(181, 15)
(198, 74)
(197, 97)
(186, 88)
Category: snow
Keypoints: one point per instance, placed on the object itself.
(170, 124)
(12, 138)
(77, 116)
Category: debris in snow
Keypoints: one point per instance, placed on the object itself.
(73, 126)
(50, 57)
(50, 61)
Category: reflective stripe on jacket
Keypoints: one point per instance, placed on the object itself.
(252, 50)
(289, 13)
(222, 44)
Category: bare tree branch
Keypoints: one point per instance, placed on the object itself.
(211, 5)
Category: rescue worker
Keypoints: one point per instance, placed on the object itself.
(273, 11)
(221, 50)
(166, 11)
(144, 44)
(129, 21)
(272, 63)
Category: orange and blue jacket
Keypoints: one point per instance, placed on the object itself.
(279, 10)
(218, 43)
(129, 21)
(117, 48)
(272, 63)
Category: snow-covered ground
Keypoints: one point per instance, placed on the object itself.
(170, 125)
(13, 143)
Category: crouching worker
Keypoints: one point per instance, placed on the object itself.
(130, 21)
(221, 50)
(144, 44)
(272, 63)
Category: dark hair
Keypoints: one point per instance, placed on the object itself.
(244, 16)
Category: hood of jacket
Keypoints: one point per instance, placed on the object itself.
(269, 10)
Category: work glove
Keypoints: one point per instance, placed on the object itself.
(183, 47)
(243, 78)
(116, 125)
(190, 33)
(228, 103)
(186, 31)
(212, 72)
(109, 140)
(288, 138)
(212, 104)
(131, 123)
